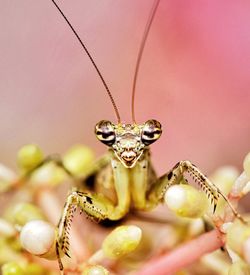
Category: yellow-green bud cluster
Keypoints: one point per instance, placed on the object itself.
(12, 268)
(7, 229)
(78, 160)
(7, 178)
(95, 270)
(121, 241)
(48, 175)
(224, 178)
(239, 268)
(238, 237)
(15, 268)
(21, 213)
(186, 201)
(29, 156)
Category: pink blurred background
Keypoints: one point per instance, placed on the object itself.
(194, 77)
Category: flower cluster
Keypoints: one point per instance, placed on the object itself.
(183, 238)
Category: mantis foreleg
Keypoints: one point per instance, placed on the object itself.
(176, 175)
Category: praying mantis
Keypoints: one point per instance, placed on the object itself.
(127, 167)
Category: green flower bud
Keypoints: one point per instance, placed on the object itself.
(224, 178)
(7, 229)
(10, 251)
(12, 268)
(95, 270)
(239, 268)
(7, 178)
(121, 241)
(29, 156)
(78, 160)
(186, 201)
(34, 269)
(49, 174)
(237, 234)
(22, 213)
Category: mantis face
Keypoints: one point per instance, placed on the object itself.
(128, 141)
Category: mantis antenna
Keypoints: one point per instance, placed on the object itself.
(139, 56)
(92, 61)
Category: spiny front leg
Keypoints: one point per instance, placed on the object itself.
(176, 176)
(96, 206)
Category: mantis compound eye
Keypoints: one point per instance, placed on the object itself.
(151, 131)
(105, 132)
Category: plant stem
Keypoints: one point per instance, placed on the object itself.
(184, 255)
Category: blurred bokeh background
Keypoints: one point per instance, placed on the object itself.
(194, 77)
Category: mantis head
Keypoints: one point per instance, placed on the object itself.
(128, 141)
